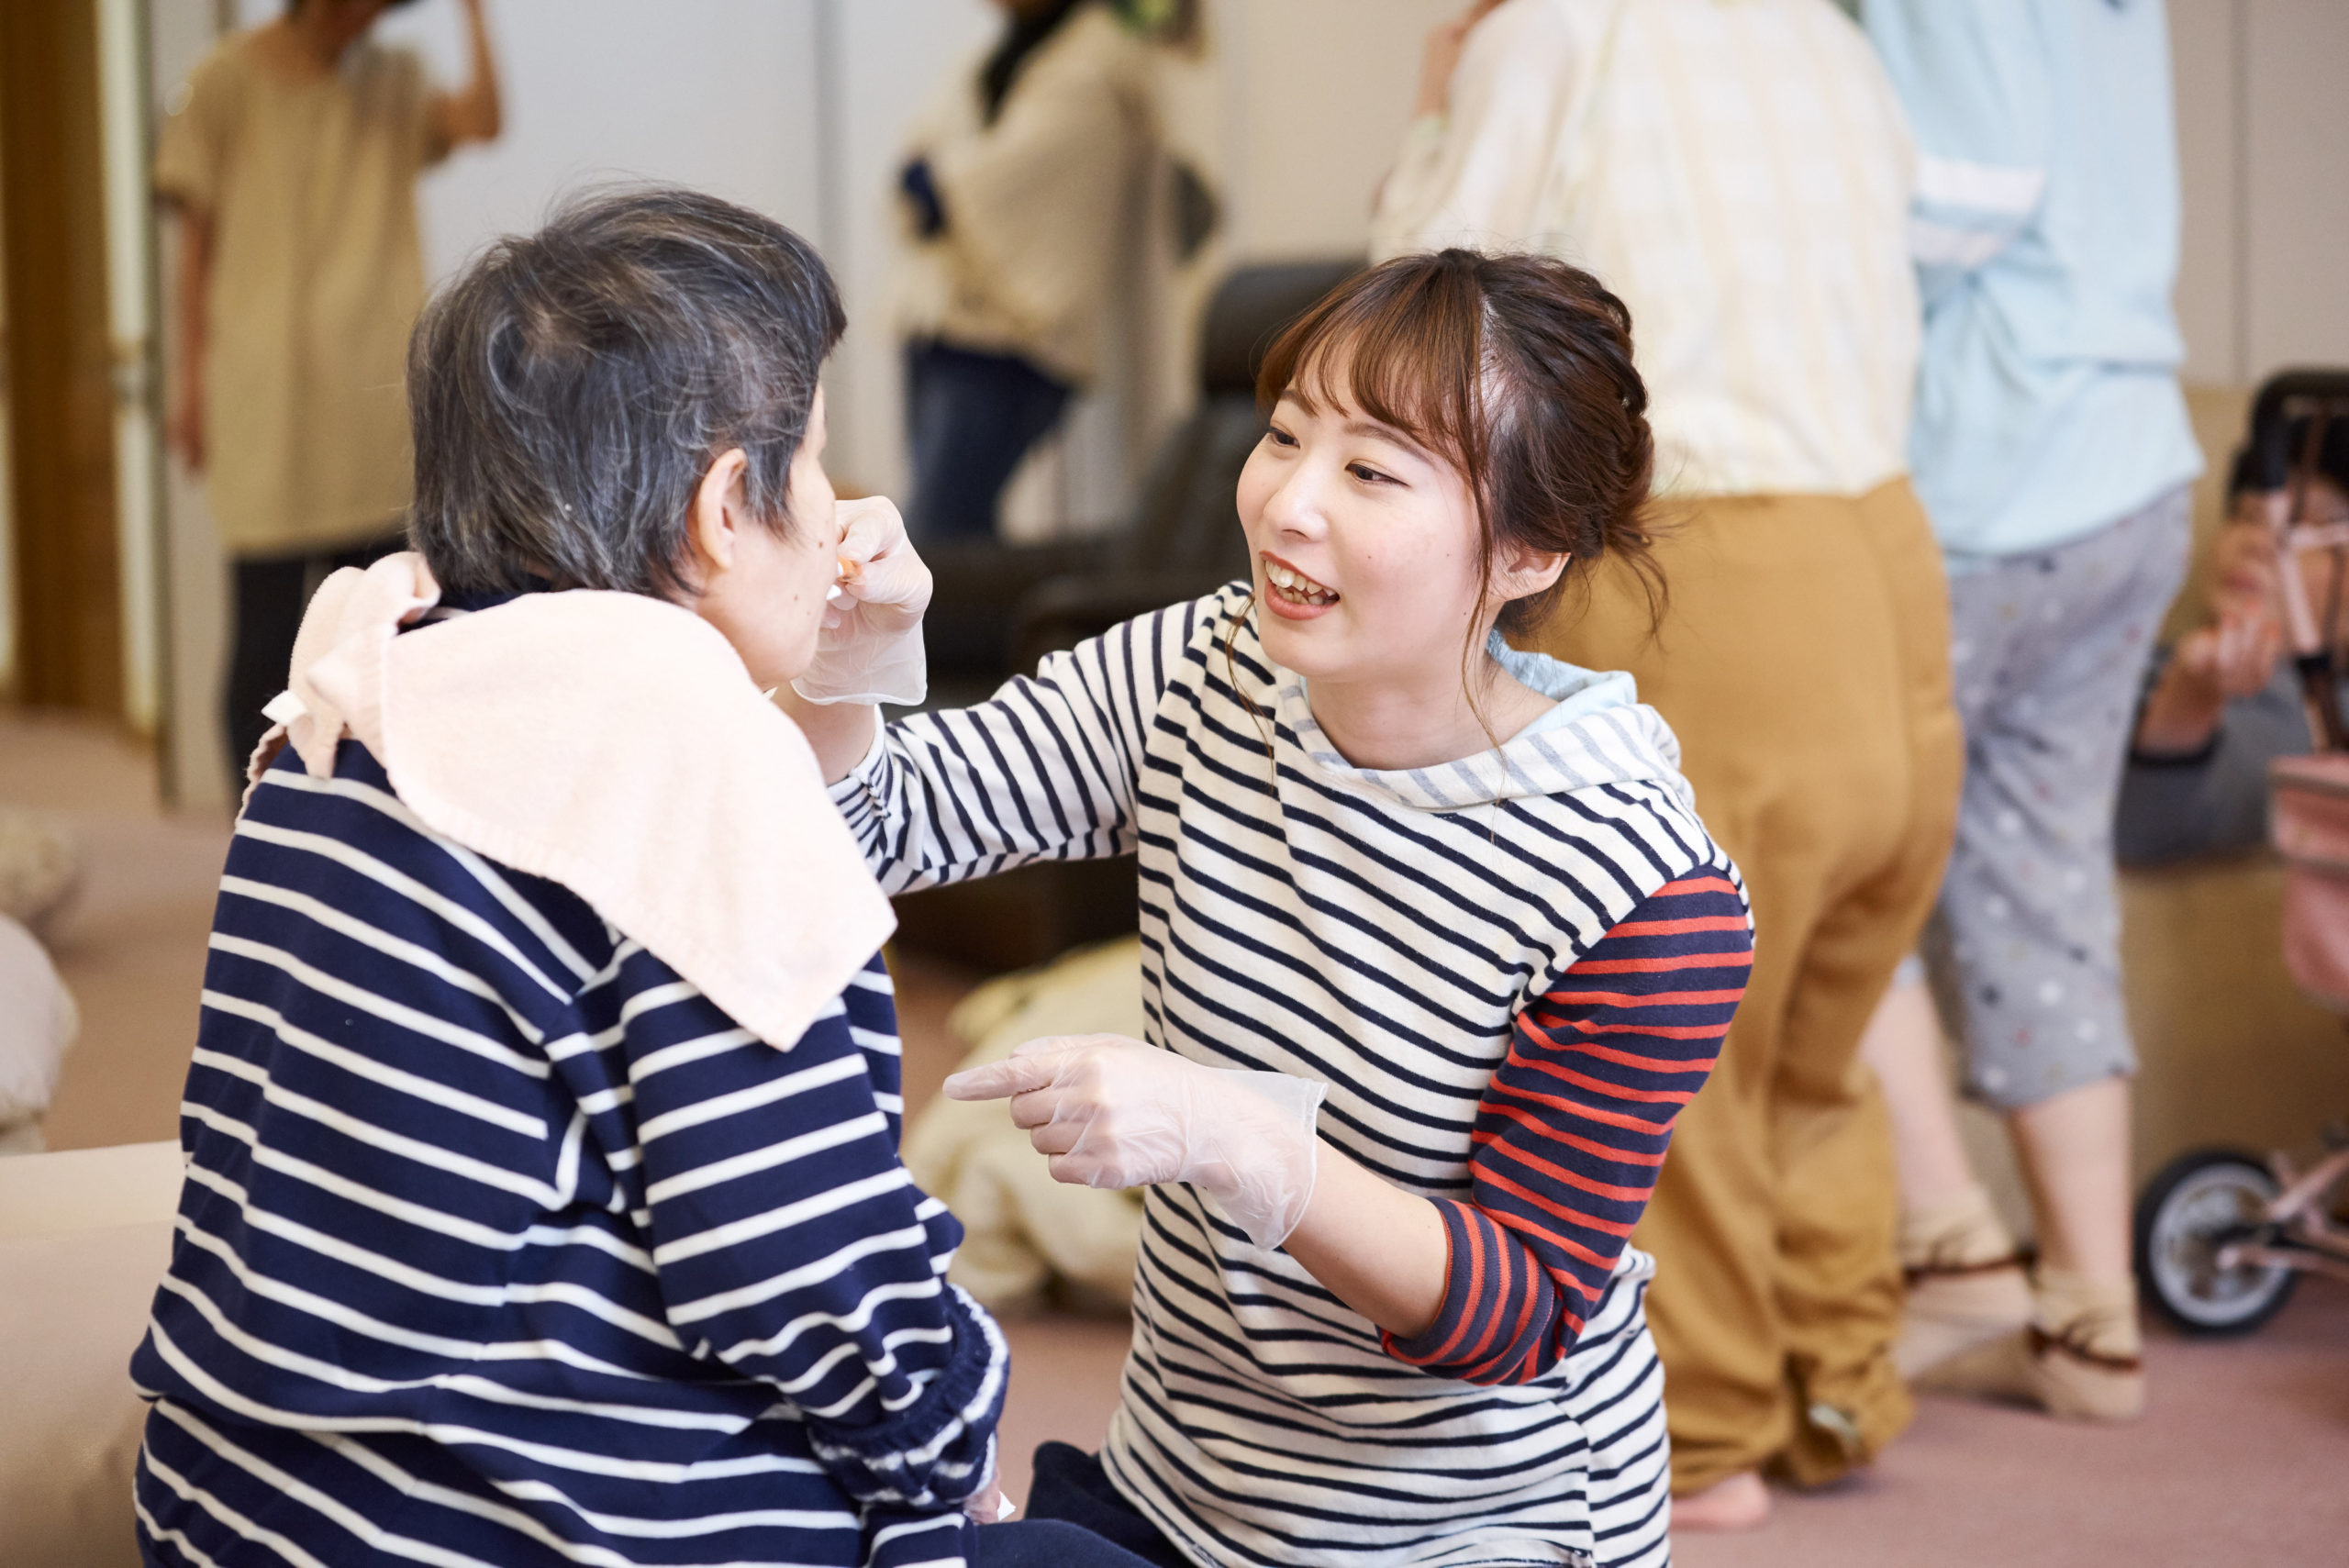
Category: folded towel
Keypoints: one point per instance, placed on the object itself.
(612, 743)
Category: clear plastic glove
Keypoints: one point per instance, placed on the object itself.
(990, 1504)
(870, 649)
(1112, 1112)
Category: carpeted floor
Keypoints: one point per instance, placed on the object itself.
(2243, 1459)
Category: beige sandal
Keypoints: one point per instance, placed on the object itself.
(1956, 1308)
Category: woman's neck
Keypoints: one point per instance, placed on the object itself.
(1389, 724)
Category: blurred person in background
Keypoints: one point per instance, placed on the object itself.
(2226, 701)
(2052, 449)
(1019, 194)
(1738, 172)
(291, 155)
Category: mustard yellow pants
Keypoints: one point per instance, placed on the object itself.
(1804, 662)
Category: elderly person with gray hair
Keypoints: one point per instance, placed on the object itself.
(543, 1203)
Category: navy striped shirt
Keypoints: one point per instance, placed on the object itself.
(1510, 971)
(500, 1244)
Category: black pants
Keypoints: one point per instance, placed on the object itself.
(970, 418)
(1046, 1544)
(1069, 1484)
(267, 595)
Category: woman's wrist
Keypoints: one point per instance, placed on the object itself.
(1379, 1248)
(2180, 717)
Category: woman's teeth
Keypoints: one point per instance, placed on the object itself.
(1297, 588)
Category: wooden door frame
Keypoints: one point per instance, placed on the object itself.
(58, 363)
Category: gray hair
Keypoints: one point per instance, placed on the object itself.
(571, 388)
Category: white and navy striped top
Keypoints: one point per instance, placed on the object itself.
(501, 1245)
(1511, 972)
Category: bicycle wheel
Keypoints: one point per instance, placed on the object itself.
(2193, 1207)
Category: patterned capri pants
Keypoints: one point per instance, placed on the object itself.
(2048, 651)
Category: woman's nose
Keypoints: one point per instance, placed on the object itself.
(1294, 510)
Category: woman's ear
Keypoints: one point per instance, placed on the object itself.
(1521, 572)
(719, 516)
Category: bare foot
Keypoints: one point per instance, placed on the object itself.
(1741, 1502)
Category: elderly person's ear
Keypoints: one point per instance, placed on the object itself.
(719, 516)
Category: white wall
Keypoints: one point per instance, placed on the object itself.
(2296, 164)
(1316, 96)
(720, 95)
(2265, 167)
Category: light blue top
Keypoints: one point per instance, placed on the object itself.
(1577, 693)
(2046, 232)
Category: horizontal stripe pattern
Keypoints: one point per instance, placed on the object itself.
(500, 1243)
(1405, 939)
(1571, 1136)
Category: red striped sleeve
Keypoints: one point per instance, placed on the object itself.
(1573, 1128)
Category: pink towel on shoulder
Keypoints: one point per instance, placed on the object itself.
(614, 744)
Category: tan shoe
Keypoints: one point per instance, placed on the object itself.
(2060, 1375)
(1952, 1309)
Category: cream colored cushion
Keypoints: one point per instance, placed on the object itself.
(37, 1022)
(83, 1238)
(1021, 1230)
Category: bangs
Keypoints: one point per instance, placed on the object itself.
(1405, 347)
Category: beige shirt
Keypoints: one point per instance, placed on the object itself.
(1739, 172)
(1040, 205)
(316, 278)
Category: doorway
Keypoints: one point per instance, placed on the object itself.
(68, 612)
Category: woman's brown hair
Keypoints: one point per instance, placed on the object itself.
(1518, 370)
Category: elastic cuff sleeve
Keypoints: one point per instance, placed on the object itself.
(1468, 1285)
(935, 1451)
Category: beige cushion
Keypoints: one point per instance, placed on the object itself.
(1021, 1230)
(83, 1238)
(38, 1021)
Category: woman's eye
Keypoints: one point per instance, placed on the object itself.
(1279, 437)
(1367, 475)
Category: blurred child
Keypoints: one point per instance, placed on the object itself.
(543, 1203)
(2226, 701)
(291, 155)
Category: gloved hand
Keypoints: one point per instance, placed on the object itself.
(1113, 1112)
(869, 648)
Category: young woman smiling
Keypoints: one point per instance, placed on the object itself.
(1434, 949)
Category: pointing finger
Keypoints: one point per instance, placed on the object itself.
(998, 1080)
